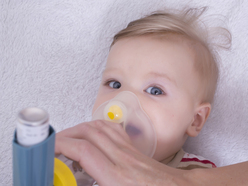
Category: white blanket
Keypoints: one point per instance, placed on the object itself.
(52, 53)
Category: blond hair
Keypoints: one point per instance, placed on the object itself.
(187, 24)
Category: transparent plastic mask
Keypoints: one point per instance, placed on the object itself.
(125, 109)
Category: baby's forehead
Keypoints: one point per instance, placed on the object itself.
(151, 54)
(196, 48)
(148, 42)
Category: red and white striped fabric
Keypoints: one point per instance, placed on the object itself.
(187, 161)
(190, 161)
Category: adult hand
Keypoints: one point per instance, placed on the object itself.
(105, 152)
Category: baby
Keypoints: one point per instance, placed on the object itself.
(166, 61)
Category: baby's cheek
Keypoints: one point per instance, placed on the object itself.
(170, 130)
(163, 121)
(168, 135)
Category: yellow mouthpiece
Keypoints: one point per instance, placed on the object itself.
(115, 112)
(62, 174)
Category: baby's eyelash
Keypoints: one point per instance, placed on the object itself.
(112, 84)
(156, 86)
(106, 82)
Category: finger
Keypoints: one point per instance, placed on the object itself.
(111, 147)
(100, 128)
(102, 136)
(95, 137)
(111, 129)
(93, 161)
(114, 130)
(107, 140)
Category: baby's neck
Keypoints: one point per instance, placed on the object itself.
(168, 159)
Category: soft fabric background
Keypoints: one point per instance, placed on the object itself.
(52, 54)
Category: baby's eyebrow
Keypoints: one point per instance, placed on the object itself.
(162, 75)
(109, 70)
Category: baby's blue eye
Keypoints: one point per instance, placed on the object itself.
(115, 84)
(154, 90)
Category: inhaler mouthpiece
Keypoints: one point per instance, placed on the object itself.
(115, 113)
(125, 109)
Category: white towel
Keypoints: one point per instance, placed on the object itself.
(52, 54)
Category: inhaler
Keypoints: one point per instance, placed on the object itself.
(33, 149)
(33, 152)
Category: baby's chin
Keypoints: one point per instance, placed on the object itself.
(164, 159)
(165, 154)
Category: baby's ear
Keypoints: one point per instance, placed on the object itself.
(201, 114)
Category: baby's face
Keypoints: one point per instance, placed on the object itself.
(162, 75)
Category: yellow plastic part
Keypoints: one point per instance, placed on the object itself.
(111, 115)
(62, 174)
(115, 112)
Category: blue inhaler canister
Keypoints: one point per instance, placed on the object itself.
(33, 149)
